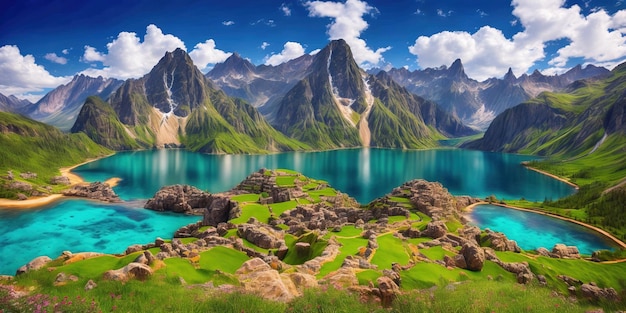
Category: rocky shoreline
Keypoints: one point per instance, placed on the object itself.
(313, 223)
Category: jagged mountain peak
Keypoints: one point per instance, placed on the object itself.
(234, 65)
(175, 84)
(337, 65)
(509, 77)
(457, 70)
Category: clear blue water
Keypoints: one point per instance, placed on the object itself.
(532, 230)
(79, 226)
(365, 174)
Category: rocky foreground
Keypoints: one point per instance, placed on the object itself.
(294, 231)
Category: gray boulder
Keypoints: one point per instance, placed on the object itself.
(179, 199)
(34, 265)
(60, 180)
(474, 256)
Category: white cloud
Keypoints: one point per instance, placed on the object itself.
(22, 77)
(348, 24)
(597, 37)
(263, 21)
(205, 53)
(128, 57)
(314, 52)
(53, 57)
(65, 51)
(264, 45)
(286, 10)
(418, 12)
(291, 50)
(228, 23)
(443, 13)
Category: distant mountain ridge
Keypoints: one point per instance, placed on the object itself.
(13, 104)
(478, 103)
(262, 86)
(61, 106)
(586, 117)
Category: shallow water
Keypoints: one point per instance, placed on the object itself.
(532, 230)
(365, 174)
(79, 226)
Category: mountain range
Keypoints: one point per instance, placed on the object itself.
(478, 103)
(589, 116)
(328, 102)
(321, 101)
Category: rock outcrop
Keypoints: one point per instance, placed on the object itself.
(179, 199)
(260, 235)
(258, 277)
(60, 180)
(220, 210)
(565, 252)
(134, 270)
(499, 242)
(97, 191)
(34, 264)
(594, 293)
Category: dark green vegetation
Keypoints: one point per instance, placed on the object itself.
(189, 284)
(98, 121)
(583, 134)
(30, 146)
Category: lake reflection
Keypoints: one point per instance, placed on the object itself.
(364, 173)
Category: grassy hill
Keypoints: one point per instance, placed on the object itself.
(31, 146)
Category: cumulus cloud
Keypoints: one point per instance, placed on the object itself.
(348, 24)
(22, 76)
(128, 57)
(53, 57)
(205, 53)
(65, 51)
(596, 38)
(286, 10)
(291, 50)
(228, 23)
(264, 45)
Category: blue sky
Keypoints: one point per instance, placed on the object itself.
(44, 43)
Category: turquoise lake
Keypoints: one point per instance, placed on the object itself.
(365, 174)
(532, 230)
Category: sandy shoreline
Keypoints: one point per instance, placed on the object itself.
(594, 228)
(550, 175)
(40, 201)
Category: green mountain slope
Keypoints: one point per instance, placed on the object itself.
(309, 111)
(31, 146)
(98, 121)
(561, 124)
(583, 134)
(175, 105)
